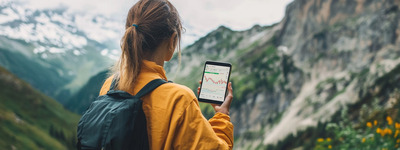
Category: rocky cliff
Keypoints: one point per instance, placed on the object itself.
(343, 47)
(323, 56)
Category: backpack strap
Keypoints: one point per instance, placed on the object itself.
(113, 83)
(150, 87)
(156, 84)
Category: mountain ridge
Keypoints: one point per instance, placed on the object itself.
(71, 47)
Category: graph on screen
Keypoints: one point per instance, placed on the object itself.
(210, 79)
(214, 82)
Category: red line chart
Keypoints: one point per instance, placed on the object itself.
(215, 82)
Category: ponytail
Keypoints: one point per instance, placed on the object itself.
(129, 65)
(149, 22)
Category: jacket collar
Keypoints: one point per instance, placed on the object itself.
(150, 68)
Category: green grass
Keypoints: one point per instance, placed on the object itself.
(37, 114)
(26, 136)
(264, 74)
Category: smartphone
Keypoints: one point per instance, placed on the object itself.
(214, 82)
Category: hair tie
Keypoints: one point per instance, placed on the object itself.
(135, 25)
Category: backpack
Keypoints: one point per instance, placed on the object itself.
(115, 121)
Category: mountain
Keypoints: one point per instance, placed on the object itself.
(32, 120)
(55, 50)
(83, 98)
(292, 78)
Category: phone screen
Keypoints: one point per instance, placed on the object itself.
(214, 82)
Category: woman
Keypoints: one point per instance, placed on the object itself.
(174, 119)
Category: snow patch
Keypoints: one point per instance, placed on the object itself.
(77, 53)
(63, 19)
(98, 29)
(42, 18)
(56, 50)
(39, 50)
(65, 31)
(8, 15)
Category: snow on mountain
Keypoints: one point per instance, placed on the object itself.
(56, 50)
(58, 30)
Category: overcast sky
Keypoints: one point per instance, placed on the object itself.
(199, 16)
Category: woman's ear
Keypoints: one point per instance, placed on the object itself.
(172, 42)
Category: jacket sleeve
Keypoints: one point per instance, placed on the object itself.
(193, 131)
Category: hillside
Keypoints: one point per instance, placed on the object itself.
(84, 97)
(31, 120)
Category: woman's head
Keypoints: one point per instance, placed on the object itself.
(149, 24)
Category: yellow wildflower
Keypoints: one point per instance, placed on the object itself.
(388, 131)
(396, 133)
(398, 141)
(330, 146)
(363, 140)
(397, 125)
(389, 120)
(378, 130)
(369, 124)
(320, 140)
(375, 122)
(328, 139)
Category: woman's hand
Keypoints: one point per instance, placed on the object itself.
(224, 107)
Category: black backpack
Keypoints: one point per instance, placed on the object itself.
(115, 121)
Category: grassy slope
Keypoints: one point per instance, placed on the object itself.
(31, 120)
(39, 76)
(84, 97)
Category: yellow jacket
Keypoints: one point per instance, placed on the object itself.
(174, 119)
